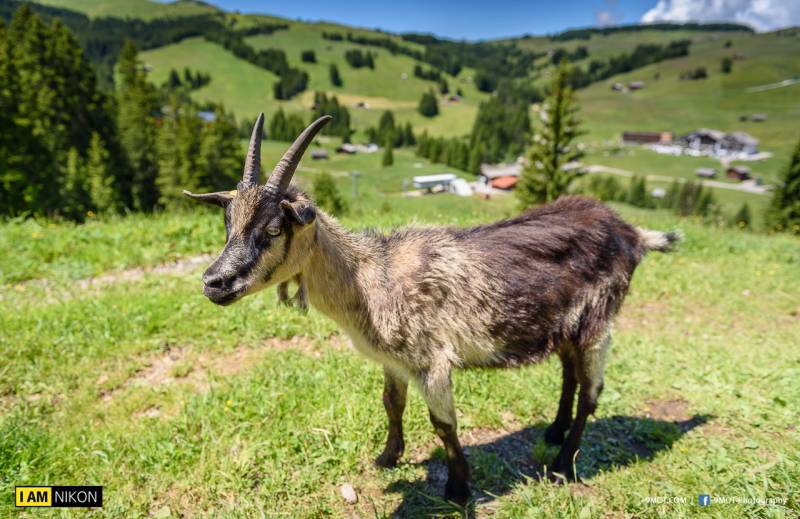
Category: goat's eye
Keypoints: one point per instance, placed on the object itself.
(273, 231)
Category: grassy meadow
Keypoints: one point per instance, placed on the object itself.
(118, 372)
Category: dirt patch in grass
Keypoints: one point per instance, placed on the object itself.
(173, 268)
(180, 366)
(56, 293)
(715, 429)
(668, 410)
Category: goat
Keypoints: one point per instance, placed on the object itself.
(422, 302)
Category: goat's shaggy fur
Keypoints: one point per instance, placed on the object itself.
(422, 302)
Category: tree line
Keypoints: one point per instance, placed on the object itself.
(357, 59)
(189, 80)
(560, 54)
(585, 34)
(390, 134)
(69, 149)
(452, 151)
(329, 105)
(642, 55)
(383, 42)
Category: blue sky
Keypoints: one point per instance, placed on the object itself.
(473, 19)
(456, 19)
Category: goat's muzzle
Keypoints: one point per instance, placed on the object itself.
(220, 287)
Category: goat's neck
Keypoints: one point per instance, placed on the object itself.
(339, 269)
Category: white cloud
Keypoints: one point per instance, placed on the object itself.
(762, 15)
(604, 17)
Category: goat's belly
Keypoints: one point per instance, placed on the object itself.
(506, 353)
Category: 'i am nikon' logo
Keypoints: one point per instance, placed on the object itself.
(72, 497)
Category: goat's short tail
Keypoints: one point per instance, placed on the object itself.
(660, 241)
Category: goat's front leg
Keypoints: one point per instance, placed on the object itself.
(438, 392)
(394, 400)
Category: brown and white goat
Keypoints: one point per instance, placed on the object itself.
(422, 302)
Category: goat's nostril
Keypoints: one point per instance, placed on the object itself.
(213, 280)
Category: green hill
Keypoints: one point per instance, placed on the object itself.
(144, 9)
(666, 103)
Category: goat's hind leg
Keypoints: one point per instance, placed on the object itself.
(438, 392)
(394, 400)
(590, 364)
(554, 434)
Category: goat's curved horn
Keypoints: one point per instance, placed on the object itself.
(252, 163)
(282, 174)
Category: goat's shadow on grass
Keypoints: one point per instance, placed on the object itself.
(501, 464)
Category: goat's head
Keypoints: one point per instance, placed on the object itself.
(268, 226)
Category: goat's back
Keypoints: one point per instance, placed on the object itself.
(524, 286)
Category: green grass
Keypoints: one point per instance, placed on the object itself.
(144, 9)
(179, 407)
(243, 88)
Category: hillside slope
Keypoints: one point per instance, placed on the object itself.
(667, 103)
(144, 9)
(391, 85)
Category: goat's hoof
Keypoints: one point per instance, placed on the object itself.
(554, 435)
(387, 460)
(457, 491)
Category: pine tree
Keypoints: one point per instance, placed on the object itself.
(545, 179)
(742, 218)
(408, 135)
(705, 204)
(327, 196)
(179, 142)
(75, 195)
(219, 161)
(336, 79)
(50, 105)
(388, 154)
(174, 80)
(637, 195)
(138, 103)
(340, 125)
(277, 129)
(727, 65)
(98, 176)
(784, 211)
(428, 105)
(386, 128)
(689, 198)
(475, 159)
(670, 201)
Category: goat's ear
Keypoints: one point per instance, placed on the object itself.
(220, 198)
(301, 210)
